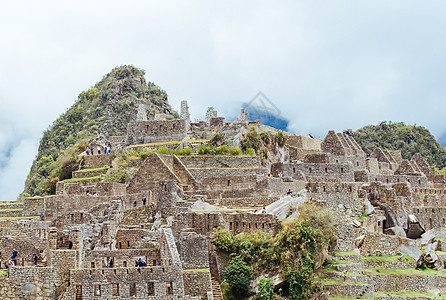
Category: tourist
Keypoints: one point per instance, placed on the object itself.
(264, 210)
(110, 263)
(88, 150)
(15, 253)
(42, 217)
(35, 259)
(289, 192)
(144, 200)
(134, 203)
(110, 164)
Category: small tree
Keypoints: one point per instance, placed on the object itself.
(266, 288)
(280, 138)
(238, 274)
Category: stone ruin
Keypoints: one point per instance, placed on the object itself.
(91, 234)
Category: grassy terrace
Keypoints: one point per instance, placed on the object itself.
(225, 168)
(395, 258)
(346, 253)
(332, 270)
(335, 262)
(82, 179)
(11, 209)
(18, 218)
(409, 294)
(224, 210)
(92, 169)
(339, 298)
(3, 272)
(167, 143)
(404, 272)
(326, 281)
(12, 203)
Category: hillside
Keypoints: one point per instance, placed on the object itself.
(410, 139)
(105, 109)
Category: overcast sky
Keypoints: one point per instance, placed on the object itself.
(323, 64)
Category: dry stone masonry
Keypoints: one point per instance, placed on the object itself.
(149, 238)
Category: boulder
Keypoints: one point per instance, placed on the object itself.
(411, 251)
(368, 207)
(359, 240)
(415, 231)
(427, 237)
(396, 230)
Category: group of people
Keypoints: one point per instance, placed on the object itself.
(90, 150)
(13, 260)
(143, 200)
(140, 263)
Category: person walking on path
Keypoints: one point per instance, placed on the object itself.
(35, 259)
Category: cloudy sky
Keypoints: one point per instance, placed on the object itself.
(323, 64)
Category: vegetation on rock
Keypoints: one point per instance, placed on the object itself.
(104, 109)
(292, 253)
(410, 139)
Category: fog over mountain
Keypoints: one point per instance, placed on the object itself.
(323, 64)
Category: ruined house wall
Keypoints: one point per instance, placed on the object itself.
(430, 217)
(33, 206)
(429, 197)
(120, 283)
(124, 258)
(414, 181)
(193, 250)
(197, 283)
(343, 198)
(201, 174)
(101, 189)
(129, 238)
(97, 161)
(146, 132)
(220, 162)
(342, 171)
(32, 282)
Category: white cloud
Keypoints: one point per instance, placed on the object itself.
(325, 64)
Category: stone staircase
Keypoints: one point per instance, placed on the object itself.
(216, 289)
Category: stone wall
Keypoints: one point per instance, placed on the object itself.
(220, 162)
(193, 249)
(155, 131)
(97, 161)
(430, 216)
(342, 171)
(33, 206)
(197, 282)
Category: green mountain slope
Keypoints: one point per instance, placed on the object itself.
(410, 139)
(104, 109)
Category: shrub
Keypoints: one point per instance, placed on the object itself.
(222, 149)
(250, 151)
(235, 151)
(238, 274)
(218, 139)
(265, 138)
(252, 140)
(266, 289)
(163, 150)
(186, 151)
(280, 138)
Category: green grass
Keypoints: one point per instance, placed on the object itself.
(92, 169)
(14, 203)
(394, 258)
(167, 143)
(346, 253)
(339, 298)
(335, 262)
(4, 272)
(408, 294)
(225, 168)
(82, 179)
(224, 210)
(199, 270)
(11, 209)
(18, 218)
(404, 272)
(333, 271)
(327, 281)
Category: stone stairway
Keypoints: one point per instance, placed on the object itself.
(216, 289)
